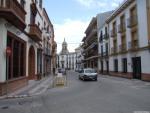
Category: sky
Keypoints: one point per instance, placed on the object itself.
(70, 18)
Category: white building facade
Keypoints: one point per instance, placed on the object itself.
(21, 28)
(66, 59)
(103, 42)
(79, 58)
(129, 40)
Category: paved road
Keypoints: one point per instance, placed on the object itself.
(107, 95)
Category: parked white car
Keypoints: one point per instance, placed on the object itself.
(88, 74)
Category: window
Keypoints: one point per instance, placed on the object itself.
(133, 11)
(22, 2)
(105, 30)
(134, 39)
(36, 1)
(40, 3)
(114, 28)
(16, 65)
(102, 50)
(106, 45)
(47, 29)
(122, 19)
(22, 51)
(39, 61)
(102, 67)
(116, 65)
(101, 37)
(44, 25)
(124, 65)
(16, 58)
(9, 44)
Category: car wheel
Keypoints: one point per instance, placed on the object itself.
(79, 77)
(95, 79)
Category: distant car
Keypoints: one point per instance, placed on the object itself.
(88, 74)
(76, 70)
(80, 70)
(62, 70)
(59, 70)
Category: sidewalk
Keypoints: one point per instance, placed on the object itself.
(33, 88)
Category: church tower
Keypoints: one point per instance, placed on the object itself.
(64, 48)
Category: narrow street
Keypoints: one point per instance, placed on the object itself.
(107, 95)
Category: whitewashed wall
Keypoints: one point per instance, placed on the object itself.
(142, 36)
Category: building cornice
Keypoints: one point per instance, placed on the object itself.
(46, 16)
(122, 7)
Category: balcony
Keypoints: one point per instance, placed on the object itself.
(113, 32)
(114, 50)
(132, 21)
(13, 12)
(35, 33)
(121, 28)
(92, 33)
(92, 46)
(106, 36)
(122, 48)
(47, 51)
(133, 45)
(105, 54)
(54, 47)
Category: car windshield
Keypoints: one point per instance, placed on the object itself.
(90, 71)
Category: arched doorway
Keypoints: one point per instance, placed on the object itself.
(31, 63)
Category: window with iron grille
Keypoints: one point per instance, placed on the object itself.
(102, 50)
(22, 2)
(106, 45)
(16, 65)
(101, 37)
(40, 3)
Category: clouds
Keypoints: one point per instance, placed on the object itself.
(105, 4)
(72, 31)
(86, 3)
(74, 20)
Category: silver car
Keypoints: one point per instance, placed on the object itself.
(88, 74)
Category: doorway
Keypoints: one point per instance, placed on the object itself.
(136, 65)
(107, 66)
(31, 63)
(102, 68)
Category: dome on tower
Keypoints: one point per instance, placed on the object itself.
(64, 48)
(64, 43)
